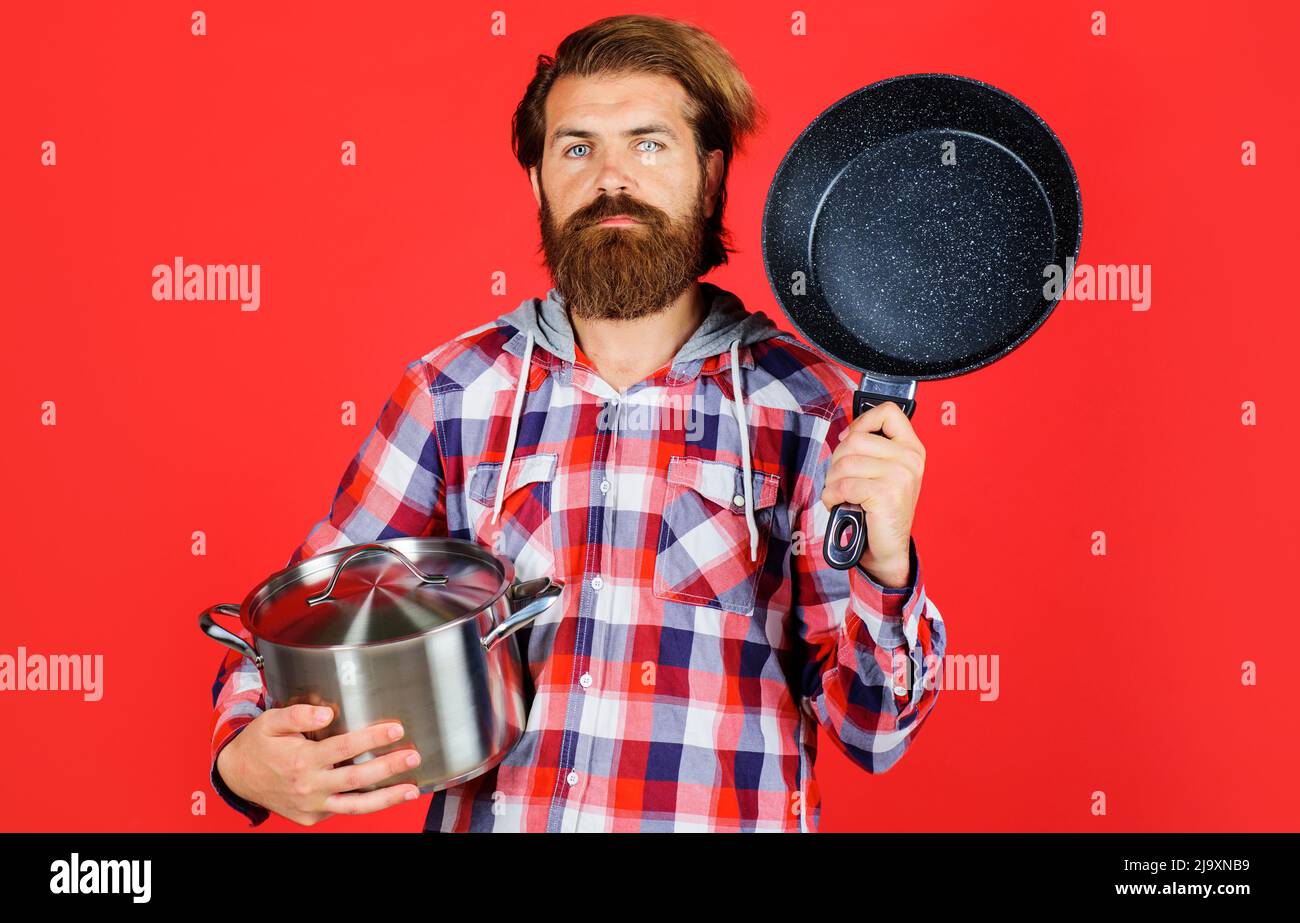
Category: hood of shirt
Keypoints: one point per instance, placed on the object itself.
(727, 326)
(727, 320)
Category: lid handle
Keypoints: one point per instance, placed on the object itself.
(437, 579)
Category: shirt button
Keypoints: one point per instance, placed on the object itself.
(596, 582)
(738, 499)
(604, 487)
(585, 680)
(572, 777)
(900, 690)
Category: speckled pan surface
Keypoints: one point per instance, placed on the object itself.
(922, 211)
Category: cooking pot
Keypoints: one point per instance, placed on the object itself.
(415, 629)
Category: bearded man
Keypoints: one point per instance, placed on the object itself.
(701, 639)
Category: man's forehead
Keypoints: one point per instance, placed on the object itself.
(614, 102)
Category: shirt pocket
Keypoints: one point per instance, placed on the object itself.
(703, 552)
(522, 532)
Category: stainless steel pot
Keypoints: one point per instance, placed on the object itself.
(416, 630)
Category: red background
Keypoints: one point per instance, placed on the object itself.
(1118, 673)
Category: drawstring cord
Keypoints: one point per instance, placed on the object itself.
(738, 407)
(520, 388)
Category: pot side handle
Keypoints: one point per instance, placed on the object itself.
(537, 596)
(222, 636)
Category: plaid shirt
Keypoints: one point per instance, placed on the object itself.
(679, 685)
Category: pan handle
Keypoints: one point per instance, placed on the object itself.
(846, 536)
(846, 533)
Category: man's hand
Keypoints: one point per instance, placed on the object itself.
(271, 763)
(882, 474)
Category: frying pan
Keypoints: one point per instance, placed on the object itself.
(910, 232)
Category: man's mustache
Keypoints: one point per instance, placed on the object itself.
(606, 207)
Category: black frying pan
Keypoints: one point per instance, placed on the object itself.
(908, 233)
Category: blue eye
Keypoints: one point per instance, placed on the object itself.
(658, 147)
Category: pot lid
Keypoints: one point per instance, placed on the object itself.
(382, 591)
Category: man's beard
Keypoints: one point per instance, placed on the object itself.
(622, 272)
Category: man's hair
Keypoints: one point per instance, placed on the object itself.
(721, 108)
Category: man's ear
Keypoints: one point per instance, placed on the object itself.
(537, 191)
(713, 180)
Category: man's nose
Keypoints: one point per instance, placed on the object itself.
(614, 186)
(614, 178)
